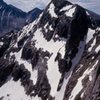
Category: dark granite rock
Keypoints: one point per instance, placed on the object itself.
(32, 58)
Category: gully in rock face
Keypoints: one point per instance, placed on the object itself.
(53, 58)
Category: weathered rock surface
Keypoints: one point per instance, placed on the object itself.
(57, 57)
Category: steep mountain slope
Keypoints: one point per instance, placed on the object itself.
(54, 58)
(33, 14)
(95, 16)
(12, 18)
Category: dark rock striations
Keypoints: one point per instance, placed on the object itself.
(54, 58)
(12, 18)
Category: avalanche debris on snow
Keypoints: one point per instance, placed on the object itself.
(66, 8)
(97, 49)
(90, 35)
(92, 45)
(1, 43)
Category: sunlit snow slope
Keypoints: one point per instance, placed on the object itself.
(54, 58)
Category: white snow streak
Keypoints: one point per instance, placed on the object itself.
(51, 10)
(97, 49)
(45, 27)
(90, 35)
(8, 17)
(87, 13)
(50, 28)
(66, 8)
(26, 30)
(70, 12)
(60, 94)
(0, 7)
(1, 43)
(2, 16)
(75, 61)
(92, 45)
(81, 47)
(79, 85)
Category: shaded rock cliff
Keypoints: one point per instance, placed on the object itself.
(57, 57)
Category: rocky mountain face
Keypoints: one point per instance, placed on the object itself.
(57, 57)
(12, 18)
(33, 14)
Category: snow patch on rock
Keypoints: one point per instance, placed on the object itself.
(79, 85)
(14, 91)
(97, 49)
(52, 10)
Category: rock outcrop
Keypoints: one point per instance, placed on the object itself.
(57, 57)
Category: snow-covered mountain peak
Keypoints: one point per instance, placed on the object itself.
(53, 57)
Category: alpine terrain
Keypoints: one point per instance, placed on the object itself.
(12, 18)
(56, 57)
